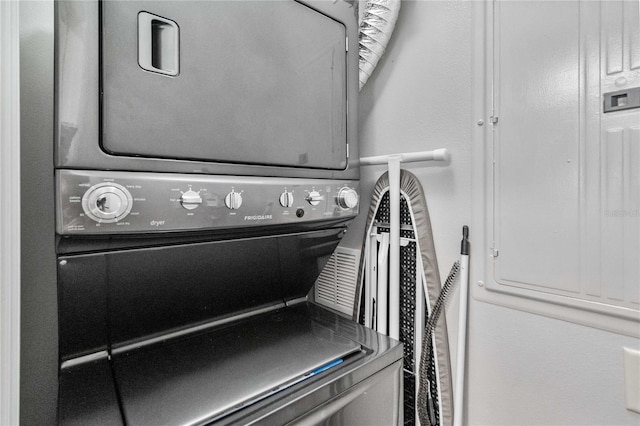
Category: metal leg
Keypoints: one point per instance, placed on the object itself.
(383, 301)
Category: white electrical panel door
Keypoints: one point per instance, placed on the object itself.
(564, 142)
(537, 144)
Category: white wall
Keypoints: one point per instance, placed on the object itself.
(529, 369)
(522, 368)
(419, 99)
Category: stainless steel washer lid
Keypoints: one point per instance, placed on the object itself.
(207, 376)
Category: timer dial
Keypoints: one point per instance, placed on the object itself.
(190, 199)
(107, 202)
(347, 198)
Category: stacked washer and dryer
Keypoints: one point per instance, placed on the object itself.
(204, 175)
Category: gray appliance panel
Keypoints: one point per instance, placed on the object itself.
(205, 377)
(82, 306)
(88, 396)
(156, 202)
(259, 82)
(117, 298)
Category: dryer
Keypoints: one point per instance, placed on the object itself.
(204, 175)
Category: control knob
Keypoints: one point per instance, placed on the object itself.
(347, 198)
(314, 198)
(107, 202)
(233, 200)
(190, 199)
(286, 199)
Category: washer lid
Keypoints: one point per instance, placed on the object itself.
(205, 377)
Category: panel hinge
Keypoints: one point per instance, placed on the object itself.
(493, 119)
(347, 151)
(494, 252)
(346, 42)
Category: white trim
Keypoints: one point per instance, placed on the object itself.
(9, 214)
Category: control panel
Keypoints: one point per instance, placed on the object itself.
(97, 202)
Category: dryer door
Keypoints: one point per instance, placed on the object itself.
(249, 82)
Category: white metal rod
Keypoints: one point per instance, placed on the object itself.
(371, 293)
(462, 342)
(407, 157)
(367, 284)
(394, 247)
(382, 305)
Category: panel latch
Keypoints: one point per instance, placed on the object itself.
(622, 99)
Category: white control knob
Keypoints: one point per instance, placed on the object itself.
(286, 199)
(107, 202)
(347, 198)
(190, 200)
(233, 200)
(314, 198)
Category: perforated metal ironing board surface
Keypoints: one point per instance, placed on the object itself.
(202, 378)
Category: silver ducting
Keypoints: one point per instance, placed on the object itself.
(376, 26)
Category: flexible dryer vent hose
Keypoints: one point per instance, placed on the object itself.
(425, 402)
(378, 20)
